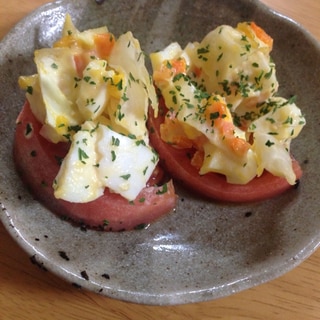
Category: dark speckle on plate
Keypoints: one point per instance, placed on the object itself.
(63, 255)
(248, 214)
(34, 260)
(84, 275)
(106, 276)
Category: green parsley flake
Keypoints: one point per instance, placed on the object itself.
(82, 155)
(163, 190)
(30, 90)
(269, 143)
(113, 155)
(126, 176)
(115, 141)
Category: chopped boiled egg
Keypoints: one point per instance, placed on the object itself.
(51, 93)
(93, 94)
(100, 157)
(56, 73)
(234, 64)
(220, 95)
(78, 179)
(137, 85)
(93, 90)
(126, 163)
(280, 122)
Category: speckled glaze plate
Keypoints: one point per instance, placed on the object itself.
(204, 250)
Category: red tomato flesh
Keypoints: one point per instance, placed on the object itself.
(38, 161)
(212, 185)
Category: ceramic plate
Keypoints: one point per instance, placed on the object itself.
(205, 250)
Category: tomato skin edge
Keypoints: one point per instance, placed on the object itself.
(213, 185)
(37, 163)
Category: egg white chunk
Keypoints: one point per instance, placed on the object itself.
(126, 164)
(100, 157)
(78, 179)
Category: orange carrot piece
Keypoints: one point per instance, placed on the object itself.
(217, 113)
(80, 63)
(239, 146)
(197, 71)
(170, 68)
(261, 34)
(179, 65)
(104, 43)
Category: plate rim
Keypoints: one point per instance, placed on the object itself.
(13, 231)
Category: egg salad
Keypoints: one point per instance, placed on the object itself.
(93, 91)
(221, 96)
